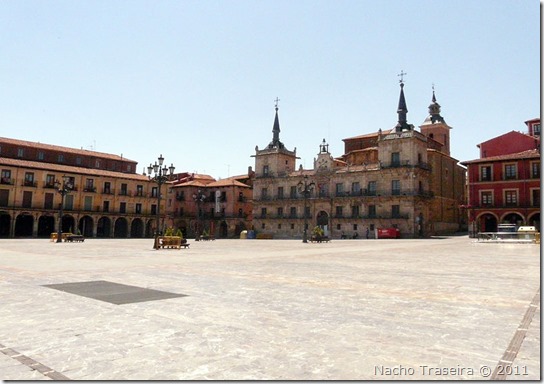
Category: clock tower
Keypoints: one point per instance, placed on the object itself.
(274, 160)
(324, 161)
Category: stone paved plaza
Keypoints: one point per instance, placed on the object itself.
(447, 308)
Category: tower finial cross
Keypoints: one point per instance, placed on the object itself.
(276, 101)
(401, 74)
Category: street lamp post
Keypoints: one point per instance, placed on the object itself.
(198, 197)
(161, 176)
(305, 189)
(63, 188)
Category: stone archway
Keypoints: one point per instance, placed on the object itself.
(488, 223)
(86, 225)
(120, 228)
(5, 224)
(46, 226)
(24, 224)
(137, 228)
(103, 228)
(534, 220)
(513, 218)
(68, 224)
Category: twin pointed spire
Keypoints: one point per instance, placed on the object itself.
(402, 110)
(276, 143)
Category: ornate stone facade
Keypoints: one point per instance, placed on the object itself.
(400, 178)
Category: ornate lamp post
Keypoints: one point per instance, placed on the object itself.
(160, 177)
(63, 188)
(199, 198)
(305, 189)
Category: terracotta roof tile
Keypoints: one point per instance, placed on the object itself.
(69, 169)
(58, 148)
(530, 154)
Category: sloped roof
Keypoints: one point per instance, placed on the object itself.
(529, 154)
(83, 152)
(511, 133)
(70, 169)
(384, 132)
(228, 183)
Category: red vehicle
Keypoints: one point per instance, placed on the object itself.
(388, 233)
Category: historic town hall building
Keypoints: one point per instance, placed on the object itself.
(398, 178)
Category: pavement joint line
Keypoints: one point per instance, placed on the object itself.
(32, 364)
(517, 340)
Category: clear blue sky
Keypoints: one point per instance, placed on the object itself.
(196, 80)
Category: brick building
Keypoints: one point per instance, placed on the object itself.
(219, 207)
(504, 183)
(108, 198)
(399, 178)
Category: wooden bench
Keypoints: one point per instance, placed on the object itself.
(320, 239)
(76, 238)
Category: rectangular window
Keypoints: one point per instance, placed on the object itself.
(536, 129)
(339, 211)
(536, 197)
(395, 159)
(69, 202)
(510, 171)
(124, 189)
(88, 203)
(356, 188)
(123, 207)
(263, 212)
(293, 192)
(29, 179)
(27, 199)
(4, 197)
(138, 208)
(41, 155)
(266, 170)
(371, 211)
(89, 185)
(264, 193)
(487, 198)
(106, 206)
(307, 212)
(50, 181)
(511, 198)
(293, 212)
(48, 200)
(485, 173)
(395, 211)
(372, 188)
(139, 190)
(280, 212)
(280, 192)
(154, 192)
(60, 158)
(339, 189)
(535, 170)
(107, 187)
(20, 152)
(395, 187)
(6, 176)
(354, 211)
(78, 161)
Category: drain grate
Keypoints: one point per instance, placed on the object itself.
(113, 293)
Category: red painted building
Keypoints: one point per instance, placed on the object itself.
(504, 183)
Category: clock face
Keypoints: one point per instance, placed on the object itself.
(322, 163)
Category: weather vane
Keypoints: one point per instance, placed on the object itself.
(401, 74)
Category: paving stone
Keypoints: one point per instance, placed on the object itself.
(273, 310)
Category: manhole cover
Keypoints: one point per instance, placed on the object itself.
(113, 292)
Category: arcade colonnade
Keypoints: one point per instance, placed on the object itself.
(21, 223)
